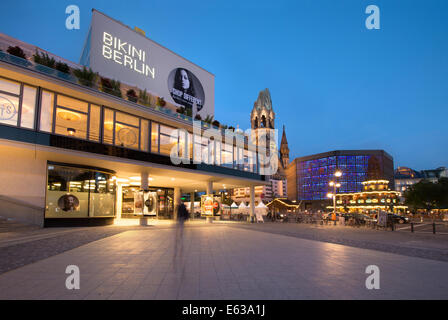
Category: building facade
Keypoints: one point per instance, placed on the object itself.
(75, 152)
(406, 177)
(308, 177)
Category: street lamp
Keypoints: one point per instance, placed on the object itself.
(335, 185)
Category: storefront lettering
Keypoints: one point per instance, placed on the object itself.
(126, 54)
(7, 109)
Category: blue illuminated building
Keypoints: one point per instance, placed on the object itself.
(309, 177)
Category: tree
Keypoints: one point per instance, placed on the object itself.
(427, 195)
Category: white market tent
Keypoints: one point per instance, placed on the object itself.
(261, 205)
(242, 205)
(234, 205)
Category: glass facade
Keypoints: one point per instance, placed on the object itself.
(68, 116)
(314, 175)
(74, 192)
(17, 104)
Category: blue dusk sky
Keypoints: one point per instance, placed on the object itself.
(334, 84)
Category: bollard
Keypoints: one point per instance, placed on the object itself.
(434, 228)
(412, 226)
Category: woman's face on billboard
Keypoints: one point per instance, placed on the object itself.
(185, 79)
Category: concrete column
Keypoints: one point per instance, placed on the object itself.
(144, 187)
(192, 205)
(176, 199)
(252, 203)
(119, 202)
(144, 181)
(209, 187)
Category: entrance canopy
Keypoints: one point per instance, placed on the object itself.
(128, 172)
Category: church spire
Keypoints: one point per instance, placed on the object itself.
(284, 150)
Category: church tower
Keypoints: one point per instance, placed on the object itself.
(262, 115)
(284, 150)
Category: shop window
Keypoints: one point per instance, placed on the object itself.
(71, 122)
(28, 107)
(94, 123)
(108, 135)
(10, 87)
(79, 193)
(227, 156)
(46, 113)
(17, 103)
(9, 109)
(126, 135)
(144, 135)
(154, 137)
(168, 139)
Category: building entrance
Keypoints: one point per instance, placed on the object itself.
(158, 202)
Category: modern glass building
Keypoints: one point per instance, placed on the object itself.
(74, 153)
(309, 177)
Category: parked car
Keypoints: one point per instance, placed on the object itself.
(397, 218)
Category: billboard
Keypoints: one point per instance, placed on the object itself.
(118, 52)
(210, 205)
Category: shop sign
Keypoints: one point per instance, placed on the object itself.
(7, 109)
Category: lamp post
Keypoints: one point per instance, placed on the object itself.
(335, 185)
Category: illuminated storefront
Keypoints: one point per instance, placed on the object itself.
(75, 153)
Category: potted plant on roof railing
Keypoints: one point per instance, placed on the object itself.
(111, 87)
(184, 111)
(132, 96)
(42, 59)
(62, 67)
(16, 51)
(144, 98)
(85, 76)
(17, 56)
(160, 102)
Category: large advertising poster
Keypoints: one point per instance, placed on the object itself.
(118, 52)
(210, 205)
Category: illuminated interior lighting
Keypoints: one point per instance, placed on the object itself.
(71, 131)
(68, 115)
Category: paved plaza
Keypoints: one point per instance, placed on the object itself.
(223, 261)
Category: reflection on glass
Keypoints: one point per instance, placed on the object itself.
(46, 113)
(9, 86)
(28, 107)
(167, 143)
(154, 137)
(71, 103)
(128, 119)
(108, 135)
(144, 139)
(94, 126)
